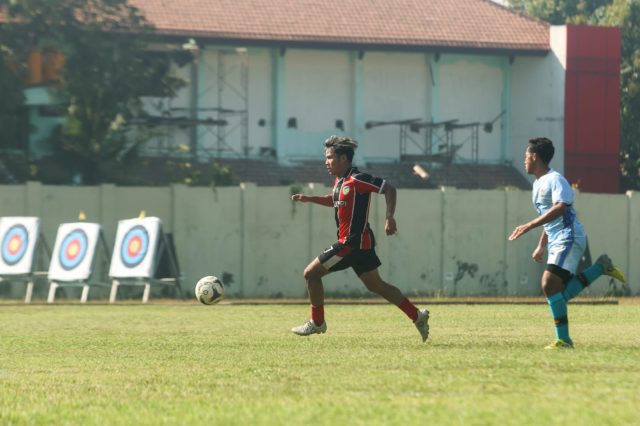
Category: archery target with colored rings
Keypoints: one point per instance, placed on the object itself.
(14, 244)
(18, 240)
(135, 246)
(134, 252)
(74, 251)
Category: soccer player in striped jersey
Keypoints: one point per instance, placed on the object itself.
(562, 235)
(355, 247)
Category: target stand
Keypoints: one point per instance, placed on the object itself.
(74, 258)
(139, 247)
(22, 247)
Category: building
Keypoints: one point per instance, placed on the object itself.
(455, 87)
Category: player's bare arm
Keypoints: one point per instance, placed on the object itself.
(323, 200)
(389, 192)
(538, 253)
(554, 212)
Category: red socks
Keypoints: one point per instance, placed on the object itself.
(409, 309)
(317, 314)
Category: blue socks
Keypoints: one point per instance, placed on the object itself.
(580, 281)
(558, 305)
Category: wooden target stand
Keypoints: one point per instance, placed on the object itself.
(23, 269)
(130, 266)
(67, 271)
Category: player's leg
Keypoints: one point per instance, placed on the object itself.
(563, 260)
(331, 259)
(552, 285)
(392, 294)
(602, 266)
(313, 274)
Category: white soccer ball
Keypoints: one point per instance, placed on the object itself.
(209, 290)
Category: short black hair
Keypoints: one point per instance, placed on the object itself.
(542, 147)
(341, 145)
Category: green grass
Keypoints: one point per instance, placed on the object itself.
(192, 364)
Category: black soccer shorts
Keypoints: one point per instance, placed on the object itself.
(339, 256)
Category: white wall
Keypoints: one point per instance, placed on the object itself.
(537, 100)
(397, 86)
(317, 92)
(321, 86)
(450, 242)
(220, 85)
(471, 91)
(260, 99)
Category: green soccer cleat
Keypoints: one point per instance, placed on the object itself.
(610, 269)
(559, 344)
(422, 324)
(309, 328)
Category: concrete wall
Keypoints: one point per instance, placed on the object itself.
(318, 87)
(317, 92)
(396, 86)
(450, 242)
(471, 88)
(537, 99)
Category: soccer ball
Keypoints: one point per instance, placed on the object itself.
(209, 290)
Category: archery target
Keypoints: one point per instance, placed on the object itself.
(14, 244)
(134, 253)
(135, 245)
(74, 251)
(18, 239)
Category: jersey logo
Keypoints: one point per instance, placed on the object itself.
(541, 192)
(345, 189)
(340, 203)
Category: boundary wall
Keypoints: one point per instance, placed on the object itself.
(450, 242)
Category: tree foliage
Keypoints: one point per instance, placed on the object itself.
(624, 14)
(108, 68)
(560, 12)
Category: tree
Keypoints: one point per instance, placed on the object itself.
(12, 99)
(12, 73)
(624, 14)
(560, 12)
(108, 68)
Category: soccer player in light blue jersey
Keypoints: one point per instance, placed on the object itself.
(562, 235)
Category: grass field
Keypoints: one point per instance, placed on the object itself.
(192, 364)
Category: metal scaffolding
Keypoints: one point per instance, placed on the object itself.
(424, 136)
(221, 122)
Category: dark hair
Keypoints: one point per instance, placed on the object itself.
(543, 148)
(340, 145)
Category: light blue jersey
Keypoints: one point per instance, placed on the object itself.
(550, 189)
(565, 234)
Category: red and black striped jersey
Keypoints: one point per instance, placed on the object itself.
(351, 199)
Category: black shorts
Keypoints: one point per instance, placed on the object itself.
(339, 256)
(564, 275)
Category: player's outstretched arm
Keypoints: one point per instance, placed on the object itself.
(389, 192)
(323, 200)
(554, 212)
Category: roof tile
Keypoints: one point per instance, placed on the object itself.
(480, 24)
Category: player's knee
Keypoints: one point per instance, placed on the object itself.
(547, 286)
(310, 273)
